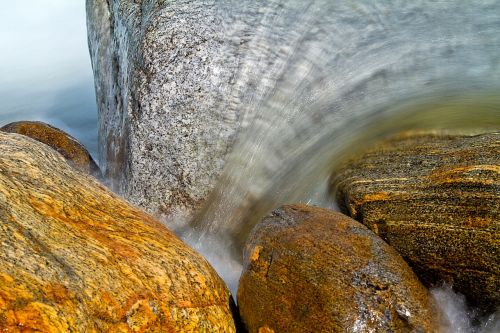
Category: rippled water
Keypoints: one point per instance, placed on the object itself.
(316, 75)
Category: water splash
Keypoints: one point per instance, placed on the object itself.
(459, 317)
(319, 80)
(317, 77)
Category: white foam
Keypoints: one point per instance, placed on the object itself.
(459, 317)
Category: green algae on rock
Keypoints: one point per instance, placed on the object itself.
(436, 199)
(69, 147)
(74, 257)
(309, 269)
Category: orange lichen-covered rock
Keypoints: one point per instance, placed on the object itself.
(74, 257)
(309, 269)
(435, 198)
(69, 147)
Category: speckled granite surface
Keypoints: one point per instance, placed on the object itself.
(159, 78)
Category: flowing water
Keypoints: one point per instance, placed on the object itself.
(321, 80)
(317, 81)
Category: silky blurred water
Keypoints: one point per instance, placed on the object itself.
(45, 71)
(317, 80)
(320, 80)
(315, 75)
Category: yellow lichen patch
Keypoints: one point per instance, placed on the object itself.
(185, 304)
(12, 292)
(119, 328)
(265, 329)
(477, 222)
(107, 307)
(65, 213)
(57, 293)
(5, 279)
(467, 174)
(256, 253)
(40, 317)
(140, 316)
(376, 197)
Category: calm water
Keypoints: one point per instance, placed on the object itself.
(45, 71)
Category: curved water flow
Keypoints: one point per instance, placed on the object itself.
(319, 80)
(314, 75)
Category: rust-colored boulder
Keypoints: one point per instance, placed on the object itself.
(309, 269)
(69, 147)
(74, 257)
(436, 199)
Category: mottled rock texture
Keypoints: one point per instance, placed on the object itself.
(176, 81)
(310, 269)
(159, 76)
(436, 199)
(69, 147)
(76, 258)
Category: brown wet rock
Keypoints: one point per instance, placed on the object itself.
(74, 257)
(309, 269)
(69, 147)
(436, 199)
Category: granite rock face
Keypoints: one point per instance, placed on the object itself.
(76, 258)
(436, 199)
(159, 77)
(309, 269)
(69, 147)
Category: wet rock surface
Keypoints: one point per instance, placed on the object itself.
(309, 269)
(436, 199)
(76, 258)
(176, 81)
(69, 147)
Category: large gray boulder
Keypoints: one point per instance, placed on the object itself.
(159, 75)
(178, 81)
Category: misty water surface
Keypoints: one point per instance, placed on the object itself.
(45, 71)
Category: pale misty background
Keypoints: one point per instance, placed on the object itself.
(45, 71)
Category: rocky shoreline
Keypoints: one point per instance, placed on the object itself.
(90, 250)
(76, 257)
(436, 199)
(311, 269)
